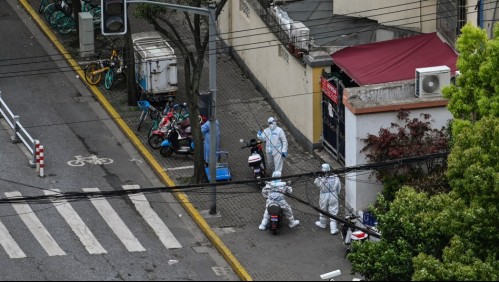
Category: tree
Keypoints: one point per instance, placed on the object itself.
(415, 138)
(450, 236)
(475, 92)
(193, 47)
(415, 223)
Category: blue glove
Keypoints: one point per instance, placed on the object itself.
(285, 154)
(259, 132)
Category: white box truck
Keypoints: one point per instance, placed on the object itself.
(155, 66)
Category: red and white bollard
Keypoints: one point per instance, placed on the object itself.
(37, 155)
(41, 163)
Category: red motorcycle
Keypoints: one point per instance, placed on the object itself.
(177, 112)
(159, 135)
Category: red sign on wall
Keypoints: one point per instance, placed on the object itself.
(329, 89)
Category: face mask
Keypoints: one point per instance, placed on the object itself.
(272, 126)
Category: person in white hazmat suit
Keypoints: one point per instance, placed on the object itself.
(273, 192)
(276, 144)
(330, 187)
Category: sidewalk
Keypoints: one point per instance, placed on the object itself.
(301, 253)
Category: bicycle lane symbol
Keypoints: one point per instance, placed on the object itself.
(92, 159)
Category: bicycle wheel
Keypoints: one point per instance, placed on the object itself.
(54, 18)
(43, 5)
(108, 81)
(76, 163)
(91, 77)
(65, 25)
(105, 161)
(48, 11)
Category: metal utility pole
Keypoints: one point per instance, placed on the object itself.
(212, 47)
(210, 13)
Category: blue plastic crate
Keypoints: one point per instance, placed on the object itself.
(369, 219)
(143, 105)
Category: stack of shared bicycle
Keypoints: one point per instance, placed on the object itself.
(59, 13)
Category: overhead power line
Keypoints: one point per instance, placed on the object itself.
(200, 187)
(181, 55)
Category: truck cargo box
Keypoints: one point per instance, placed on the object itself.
(155, 66)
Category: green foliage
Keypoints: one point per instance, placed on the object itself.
(392, 184)
(148, 12)
(474, 161)
(382, 261)
(459, 263)
(414, 223)
(477, 87)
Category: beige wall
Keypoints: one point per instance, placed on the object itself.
(409, 14)
(288, 82)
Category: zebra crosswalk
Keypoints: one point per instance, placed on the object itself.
(80, 228)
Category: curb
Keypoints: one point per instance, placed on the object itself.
(181, 197)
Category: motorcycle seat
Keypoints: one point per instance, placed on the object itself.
(184, 124)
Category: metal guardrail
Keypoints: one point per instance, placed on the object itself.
(20, 133)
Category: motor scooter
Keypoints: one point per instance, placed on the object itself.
(178, 140)
(256, 160)
(158, 135)
(275, 217)
(178, 112)
(273, 192)
(349, 234)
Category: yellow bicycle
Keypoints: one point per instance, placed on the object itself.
(94, 71)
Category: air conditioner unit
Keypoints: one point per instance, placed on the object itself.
(430, 81)
(300, 35)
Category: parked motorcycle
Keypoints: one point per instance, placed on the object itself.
(349, 234)
(256, 159)
(274, 191)
(276, 216)
(178, 112)
(178, 140)
(158, 135)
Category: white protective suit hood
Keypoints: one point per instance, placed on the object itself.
(272, 123)
(326, 167)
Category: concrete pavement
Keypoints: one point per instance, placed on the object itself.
(301, 253)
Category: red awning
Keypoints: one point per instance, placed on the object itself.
(394, 60)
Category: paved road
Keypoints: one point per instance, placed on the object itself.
(139, 237)
(302, 253)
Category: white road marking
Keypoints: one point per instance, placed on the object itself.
(115, 222)
(144, 208)
(77, 225)
(179, 168)
(9, 244)
(36, 227)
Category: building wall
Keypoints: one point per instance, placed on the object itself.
(490, 8)
(289, 83)
(409, 14)
(360, 189)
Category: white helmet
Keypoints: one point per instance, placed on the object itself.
(271, 120)
(326, 167)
